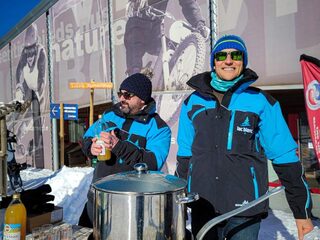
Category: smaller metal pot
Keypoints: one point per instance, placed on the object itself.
(140, 204)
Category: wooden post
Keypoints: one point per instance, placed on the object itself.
(3, 156)
(61, 136)
(91, 105)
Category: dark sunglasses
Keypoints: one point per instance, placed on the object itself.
(235, 55)
(126, 95)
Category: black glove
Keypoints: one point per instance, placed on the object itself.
(35, 200)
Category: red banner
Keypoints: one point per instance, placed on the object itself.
(310, 67)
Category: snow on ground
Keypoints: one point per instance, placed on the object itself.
(70, 187)
(280, 225)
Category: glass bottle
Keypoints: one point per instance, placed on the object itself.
(101, 126)
(15, 220)
(94, 162)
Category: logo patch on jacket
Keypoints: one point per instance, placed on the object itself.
(245, 202)
(245, 126)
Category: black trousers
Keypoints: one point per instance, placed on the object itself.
(84, 220)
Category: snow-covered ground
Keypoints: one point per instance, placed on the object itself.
(70, 186)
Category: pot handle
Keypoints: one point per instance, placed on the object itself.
(236, 211)
(191, 197)
(141, 168)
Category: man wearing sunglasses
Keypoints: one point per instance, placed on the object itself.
(135, 134)
(227, 131)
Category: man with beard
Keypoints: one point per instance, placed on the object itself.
(30, 79)
(135, 134)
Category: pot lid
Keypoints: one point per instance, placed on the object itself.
(140, 181)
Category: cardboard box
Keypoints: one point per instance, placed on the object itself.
(45, 218)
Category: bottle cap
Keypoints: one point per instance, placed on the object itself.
(16, 195)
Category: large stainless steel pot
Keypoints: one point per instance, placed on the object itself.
(140, 204)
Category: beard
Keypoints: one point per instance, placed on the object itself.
(125, 108)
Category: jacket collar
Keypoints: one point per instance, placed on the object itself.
(201, 82)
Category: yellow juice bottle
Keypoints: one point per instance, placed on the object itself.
(105, 153)
(15, 220)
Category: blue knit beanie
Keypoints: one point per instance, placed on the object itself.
(230, 41)
(139, 84)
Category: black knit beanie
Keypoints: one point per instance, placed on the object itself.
(139, 84)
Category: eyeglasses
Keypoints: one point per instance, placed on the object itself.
(235, 55)
(126, 95)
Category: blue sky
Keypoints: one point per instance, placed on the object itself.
(12, 12)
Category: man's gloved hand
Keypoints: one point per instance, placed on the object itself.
(203, 30)
(35, 200)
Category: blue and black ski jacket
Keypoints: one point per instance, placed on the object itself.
(224, 147)
(145, 137)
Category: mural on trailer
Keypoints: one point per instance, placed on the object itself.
(276, 34)
(30, 82)
(5, 76)
(80, 49)
(169, 37)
